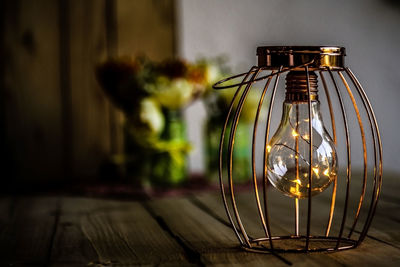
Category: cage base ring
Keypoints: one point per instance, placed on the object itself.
(296, 244)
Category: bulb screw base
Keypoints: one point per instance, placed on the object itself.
(296, 86)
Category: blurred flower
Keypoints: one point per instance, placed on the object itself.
(212, 73)
(171, 94)
(196, 74)
(147, 120)
(173, 68)
(119, 80)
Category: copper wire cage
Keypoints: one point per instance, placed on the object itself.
(273, 63)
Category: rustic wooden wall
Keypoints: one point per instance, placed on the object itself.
(57, 124)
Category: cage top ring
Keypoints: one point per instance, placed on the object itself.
(272, 57)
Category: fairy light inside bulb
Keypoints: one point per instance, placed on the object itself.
(289, 158)
(316, 171)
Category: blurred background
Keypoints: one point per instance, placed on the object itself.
(60, 125)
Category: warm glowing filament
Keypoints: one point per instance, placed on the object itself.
(305, 137)
(294, 133)
(326, 172)
(268, 148)
(294, 190)
(316, 171)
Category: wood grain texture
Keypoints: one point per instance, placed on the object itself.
(212, 242)
(70, 247)
(32, 97)
(89, 106)
(173, 231)
(282, 225)
(27, 236)
(95, 231)
(386, 223)
(6, 211)
(379, 248)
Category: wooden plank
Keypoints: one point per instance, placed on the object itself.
(95, 231)
(70, 246)
(6, 211)
(382, 251)
(210, 241)
(32, 99)
(115, 115)
(26, 238)
(248, 211)
(89, 105)
(280, 210)
(370, 253)
(249, 216)
(390, 187)
(386, 223)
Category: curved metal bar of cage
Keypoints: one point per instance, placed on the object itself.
(217, 87)
(368, 110)
(365, 158)
(296, 200)
(252, 69)
(230, 153)
(310, 160)
(373, 133)
(221, 147)
(348, 172)
(377, 180)
(265, 169)
(350, 244)
(334, 188)
(253, 160)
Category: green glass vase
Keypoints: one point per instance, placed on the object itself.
(169, 163)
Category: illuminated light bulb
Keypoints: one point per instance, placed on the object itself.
(288, 159)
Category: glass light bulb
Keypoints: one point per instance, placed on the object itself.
(288, 160)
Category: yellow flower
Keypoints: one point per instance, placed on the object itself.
(173, 94)
(147, 119)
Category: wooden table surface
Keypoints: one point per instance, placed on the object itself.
(188, 230)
